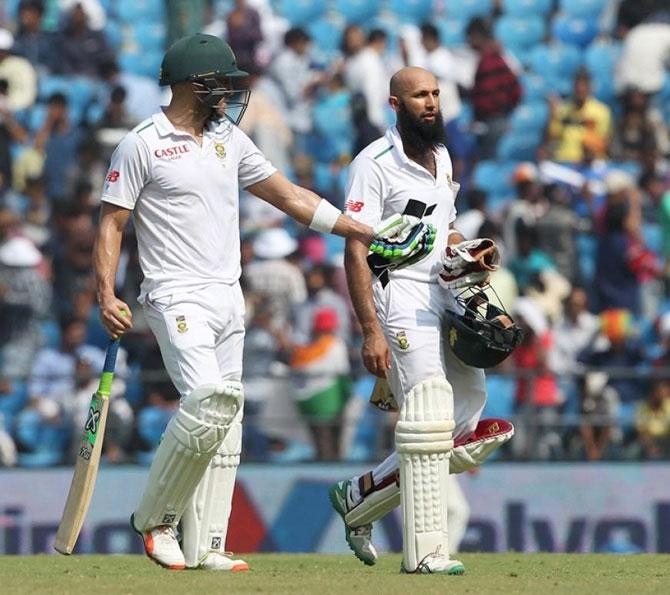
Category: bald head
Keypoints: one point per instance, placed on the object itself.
(410, 79)
(415, 99)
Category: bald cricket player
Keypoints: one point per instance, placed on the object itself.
(401, 310)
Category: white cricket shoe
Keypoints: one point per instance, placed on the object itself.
(218, 561)
(358, 538)
(436, 563)
(161, 545)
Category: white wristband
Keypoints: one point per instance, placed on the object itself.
(325, 217)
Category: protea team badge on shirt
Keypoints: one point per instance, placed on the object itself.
(182, 327)
(220, 150)
(403, 341)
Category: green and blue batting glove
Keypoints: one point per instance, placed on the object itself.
(402, 240)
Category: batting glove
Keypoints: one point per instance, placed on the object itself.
(403, 240)
(468, 263)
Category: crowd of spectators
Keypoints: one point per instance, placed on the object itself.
(557, 118)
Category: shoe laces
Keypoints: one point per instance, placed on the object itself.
(165, 532)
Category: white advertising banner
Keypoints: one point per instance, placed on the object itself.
(521, 507)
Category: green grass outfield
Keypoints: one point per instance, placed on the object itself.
(321, 575)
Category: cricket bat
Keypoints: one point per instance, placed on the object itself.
(88, 459)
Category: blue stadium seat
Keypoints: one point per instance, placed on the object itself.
(150, 36)
(49, 84)
(151, 423)
(520, 35)
(452, 32)
(301, 12)
(662, 99)
(600, 59)
(498, 202)
(10, 10)
(134, 387)
(495, 177)
(652, 234)
(557, 64)
(535, 88)
(465, 10)
(332, 123)
(223, 7)
(44, 442)
(526, 8)
(530, 117)
(357, 11)
(519, 146)
(145, 63)
(36, 117)
(487, 175)
(574, 30)
(13, 401)
(583, 8)
(501, 395)
(586, 248)
(50, 332)
(136, 11)
(414, 11)
(114, 34)
(327, 34)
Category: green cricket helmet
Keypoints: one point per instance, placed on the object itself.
(482, 335)
(209, 63)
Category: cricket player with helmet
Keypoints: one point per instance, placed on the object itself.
(180, 172)
(428, 329)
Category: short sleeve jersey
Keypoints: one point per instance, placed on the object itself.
(185, 199)
(383, 181)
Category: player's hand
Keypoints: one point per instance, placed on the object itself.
(468, 263)
(116, 316)
(376, 353)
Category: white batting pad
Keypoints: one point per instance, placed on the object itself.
(204, 523)
(377, 498)
(192, 437)
(423, 438)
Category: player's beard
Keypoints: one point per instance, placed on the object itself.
(417, 134)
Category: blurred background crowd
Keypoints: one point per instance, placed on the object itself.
(556, 114)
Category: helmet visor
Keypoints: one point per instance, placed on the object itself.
(220, 94)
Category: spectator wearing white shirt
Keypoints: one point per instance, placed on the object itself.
(574, 331)
(297, 80)
(365, 72)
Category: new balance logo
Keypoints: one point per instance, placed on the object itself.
(216, 543)
(168, 519)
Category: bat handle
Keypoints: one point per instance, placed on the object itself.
(108, 368)
(110, 357)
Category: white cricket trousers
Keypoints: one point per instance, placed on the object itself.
(411, 316)
(200, 334)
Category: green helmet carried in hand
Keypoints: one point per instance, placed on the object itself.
(198, 56)
(482, 334)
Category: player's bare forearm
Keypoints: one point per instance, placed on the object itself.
(359, 282)
(300, 204)
(375, 349)
(114, 313)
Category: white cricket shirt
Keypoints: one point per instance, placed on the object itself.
(384, 181)
(185, 199)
